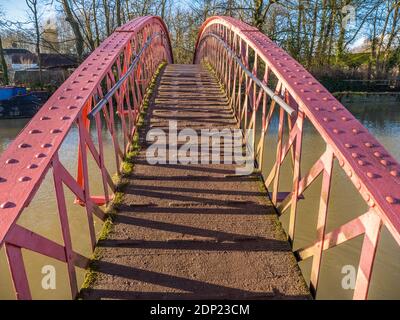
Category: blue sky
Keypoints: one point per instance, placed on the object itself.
(15, 10)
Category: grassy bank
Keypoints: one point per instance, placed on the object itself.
(127, 167)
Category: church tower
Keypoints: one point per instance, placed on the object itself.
(50, 37)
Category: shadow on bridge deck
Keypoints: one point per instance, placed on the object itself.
(194, 231)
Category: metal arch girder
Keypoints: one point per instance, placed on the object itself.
(25, 162)
(370, 167)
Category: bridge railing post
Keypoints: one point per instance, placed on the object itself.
(108, 87)
(235, 50)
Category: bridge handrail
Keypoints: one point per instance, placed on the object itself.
(97, 108)
(260, 83)
(371, 168)
(28, 159)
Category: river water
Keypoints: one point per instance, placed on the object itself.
(381, 117)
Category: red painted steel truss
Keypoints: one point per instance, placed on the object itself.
(241, 55)
(26, 161)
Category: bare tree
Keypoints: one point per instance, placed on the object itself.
(34, 17)
(79, 43)
(3, 63)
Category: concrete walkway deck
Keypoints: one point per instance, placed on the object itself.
(194, 231)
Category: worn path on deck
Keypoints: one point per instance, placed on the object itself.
(194, 231)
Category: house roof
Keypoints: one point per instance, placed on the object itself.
(11, 51)
(49, 60)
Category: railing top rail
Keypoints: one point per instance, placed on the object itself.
(26, 160)
(97, 108)
(260, 83)
(370, 167)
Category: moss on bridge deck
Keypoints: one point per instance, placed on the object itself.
(193, 231)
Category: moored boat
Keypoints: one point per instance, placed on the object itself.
(17, 102)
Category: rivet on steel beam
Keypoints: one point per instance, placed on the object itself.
(335, 108)
(361, 162)
(24, 145)
(40, 155)
(350, 173)
(11, 161)
(61, 98)
(391, 200)
(78, 97)
(65, 118)
(55, 131)
(370, 175)
(348, 145)
(24, 179)
(90, 81)
(32, 166)
(385, 162)
(377, 154)
(68, 89)
(45, 118)
(71, 107)
(325, 119)
(325, 98)
(317, 108)
(355, 155)
(46, 145)
(2, 179)
(335, 131)
(75, 81)
(355, 131)
(34, 131)
(368, 144)
(7, 205)
(395, 173)
(344, 118)
(84, 89)
(94, 74)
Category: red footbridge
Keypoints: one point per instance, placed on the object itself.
(259, 79)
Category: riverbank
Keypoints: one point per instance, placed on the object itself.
(351, 96)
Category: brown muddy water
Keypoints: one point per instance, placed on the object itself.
(380, 116)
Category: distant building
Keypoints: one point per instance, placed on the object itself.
(23, 66)
(19, 59)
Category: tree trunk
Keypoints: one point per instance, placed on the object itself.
(118, 9)
(314, 32)
(3, 64)
(257, 14)
(75, 28)
(96, 25)
(107, 16)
